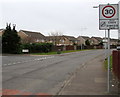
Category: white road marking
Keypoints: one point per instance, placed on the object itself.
(18, 62)
(43, 58)
(9, 64)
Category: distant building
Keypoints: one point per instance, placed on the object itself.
(31, 37)
(62, 40)
(71, 40)
(1, 32)
(0, 44)
(113, 41)
(82, 40)
(37, 37)
(96, 40)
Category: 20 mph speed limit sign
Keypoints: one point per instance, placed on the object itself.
(108, 17)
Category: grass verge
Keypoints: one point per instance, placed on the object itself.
(106, 63)
(53, 53)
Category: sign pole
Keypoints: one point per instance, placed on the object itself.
(105, 46)
(108, 60)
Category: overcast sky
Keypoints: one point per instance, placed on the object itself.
(71, 17)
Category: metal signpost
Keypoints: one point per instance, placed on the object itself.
(105, 41)
(108, 19)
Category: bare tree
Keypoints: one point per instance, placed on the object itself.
(55, 37)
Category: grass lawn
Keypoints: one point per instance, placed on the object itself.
(106, 63)
(53, 53)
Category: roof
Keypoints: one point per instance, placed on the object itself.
(53, 37)
(2, 29)
(98, 38)
(111, 39)
(72, 38)
(114, 40)
(85, 37)
(33, 34)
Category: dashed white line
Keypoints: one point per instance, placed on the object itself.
(9, 64)
(24, 61)
(18, 62)
(43, 58)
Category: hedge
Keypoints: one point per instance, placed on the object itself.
(38, 47)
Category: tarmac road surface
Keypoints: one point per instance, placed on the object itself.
(41, 74)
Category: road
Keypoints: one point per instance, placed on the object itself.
(42, 74)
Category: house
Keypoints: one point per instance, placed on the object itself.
(113, 41)
(70, 40)
(82, 40)
(53, 39)
(96, 40)
(62, 40)
(1, 32)
(31, 37)
(0, 44)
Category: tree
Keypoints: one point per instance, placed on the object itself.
(101, 43)
(87, 42)
(10, 40)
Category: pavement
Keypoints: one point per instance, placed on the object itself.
(90, 79)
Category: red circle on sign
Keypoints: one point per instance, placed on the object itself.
(108, 16)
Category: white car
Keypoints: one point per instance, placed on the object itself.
(118, 47)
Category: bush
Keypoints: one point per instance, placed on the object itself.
(87, 42)
(38, 47)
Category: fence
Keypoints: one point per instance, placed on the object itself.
(74, 47)
(64, 48)
(116, 63)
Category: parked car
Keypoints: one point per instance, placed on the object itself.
(118, 47)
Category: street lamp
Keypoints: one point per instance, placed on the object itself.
(95, 6)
